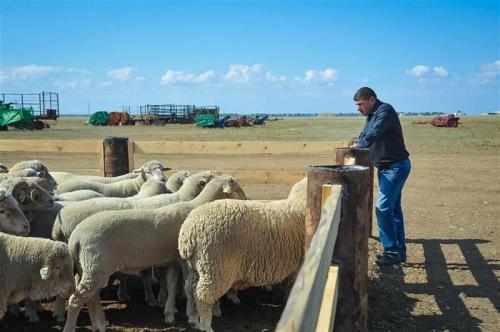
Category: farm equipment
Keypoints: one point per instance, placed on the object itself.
(442, 120)
(164, 114)
(99, 118)
(28, 111)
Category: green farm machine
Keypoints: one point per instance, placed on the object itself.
(28, 110)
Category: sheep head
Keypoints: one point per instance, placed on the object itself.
(58, 270)
(29, 194)
(176, 180)
(226, 187)
(153, 169)
(12, 219)
(37, 166)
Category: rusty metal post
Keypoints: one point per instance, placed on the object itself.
(351, 248)
(115, 155)
(362, 158)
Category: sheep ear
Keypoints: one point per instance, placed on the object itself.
(45, 273)
(226, 189)
(139, 170)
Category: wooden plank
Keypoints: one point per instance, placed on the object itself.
(303, 305)
(326, 317)
(52, 145)
(258, 176)
(235, 148)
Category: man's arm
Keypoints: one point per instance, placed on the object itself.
(382, 122)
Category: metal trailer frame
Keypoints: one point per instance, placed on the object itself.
(45, 105)
(170, 113)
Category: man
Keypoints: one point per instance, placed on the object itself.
(383, 136)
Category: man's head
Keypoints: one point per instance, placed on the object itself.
(365, 99)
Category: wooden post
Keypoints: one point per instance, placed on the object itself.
(351, 249)
(362, 158)
(115, 155)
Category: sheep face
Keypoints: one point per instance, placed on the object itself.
(57, 272)
(31, 196)
(12, 219)
(38, 167)
(153, 169)
(231, 188)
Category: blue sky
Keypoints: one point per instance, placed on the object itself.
(254, 56)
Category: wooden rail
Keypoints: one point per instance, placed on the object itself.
(308, 299)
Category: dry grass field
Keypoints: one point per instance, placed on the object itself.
(451, 204)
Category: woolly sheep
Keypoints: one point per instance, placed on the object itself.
(37, 166)
(99, 250)
(62, 177)
(70, 216)
(12, 219)
(124, 188)
(77, 195)
(240, 244)
(174, 183)
(31, 197)
(33, 269)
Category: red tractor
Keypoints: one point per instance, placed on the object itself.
(449, 120)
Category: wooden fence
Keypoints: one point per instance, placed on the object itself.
(208, 149)
(338, 206)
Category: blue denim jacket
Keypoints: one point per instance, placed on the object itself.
(383, 136)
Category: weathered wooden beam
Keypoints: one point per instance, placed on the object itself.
(326, 317)
(235, 148)
(303, 305)
(360, 157)
(115, 152)
(50, 145)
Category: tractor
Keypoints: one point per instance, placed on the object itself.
(442, 120)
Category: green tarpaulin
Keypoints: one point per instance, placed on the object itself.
(99, 119)
(205, 120)
(14, 117)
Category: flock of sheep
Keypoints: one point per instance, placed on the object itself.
(63, 235)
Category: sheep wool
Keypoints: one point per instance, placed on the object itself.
(240, 244)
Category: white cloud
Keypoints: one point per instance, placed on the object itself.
(328, 75)
(83, 83)
(440, 71)
(418, 70)
(140, 78)
(273, 78)
(242, 73)
(177, 76)
(35, 72)
(490, 73)
(121, 74)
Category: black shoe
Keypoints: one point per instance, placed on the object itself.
(379, 256)
(388, 260)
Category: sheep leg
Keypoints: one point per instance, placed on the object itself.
(162, 277)
(216, 309)
(171, 280)
(232, 296)
(189, 288)
(205, 312)
(85, 290)
(14, 309)
(96, 313)
(147, 281)
(30, 310)
(59, 309)
(122, 288)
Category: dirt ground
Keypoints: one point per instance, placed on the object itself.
(452, 209)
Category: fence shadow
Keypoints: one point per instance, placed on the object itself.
(391, 297)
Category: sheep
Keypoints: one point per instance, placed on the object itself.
(239, 244)
(99, 250)
(124, 188)
(35, 165)
(174, 183)
(62, 177)
(78, 195)
(4, 168)
(12, 219)
(33, 269)
(73, 214)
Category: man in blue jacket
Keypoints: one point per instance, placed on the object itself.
(383, 136)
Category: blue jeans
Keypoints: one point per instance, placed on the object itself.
(390, 219)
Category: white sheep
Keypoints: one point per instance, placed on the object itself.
(174, 183)
(240, 244)
(77, 195)
(35, 165)
(62, 177)
(124, 188)
(70, 216)
(34, 269)
(99, 250)
(12, 219)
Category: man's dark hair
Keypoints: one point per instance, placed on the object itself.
(364, 93)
